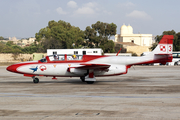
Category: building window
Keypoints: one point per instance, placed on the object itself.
(84, 52)
(54, 52)
(132, 41)
(76, 52)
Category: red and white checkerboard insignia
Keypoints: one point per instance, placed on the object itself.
(163, 48)
(42, 68)
(170, 48)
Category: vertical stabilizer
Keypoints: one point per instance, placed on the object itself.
(165, 46)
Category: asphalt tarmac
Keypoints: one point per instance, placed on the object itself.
(146, 92)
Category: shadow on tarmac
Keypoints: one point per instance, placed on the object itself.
(70, 81)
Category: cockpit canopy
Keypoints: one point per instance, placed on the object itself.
(61, 57)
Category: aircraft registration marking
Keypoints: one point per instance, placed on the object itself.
(170, 48)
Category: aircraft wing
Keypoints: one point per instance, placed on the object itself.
(93, 66)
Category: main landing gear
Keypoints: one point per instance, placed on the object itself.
(89, 78)
(35, 79)
(82, 78)
(89, 82)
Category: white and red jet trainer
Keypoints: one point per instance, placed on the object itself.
(87, 67)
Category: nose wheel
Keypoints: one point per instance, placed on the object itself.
(36, 80)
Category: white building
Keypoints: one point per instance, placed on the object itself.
(32, 40)
(126, 35)
(90, 51)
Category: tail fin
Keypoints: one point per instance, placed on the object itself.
(163, 52)
(165, 46)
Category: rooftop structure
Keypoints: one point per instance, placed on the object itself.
(127, 35)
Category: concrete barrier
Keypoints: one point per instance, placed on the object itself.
(8, 57)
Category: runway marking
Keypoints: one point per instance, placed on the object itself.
(78, 96)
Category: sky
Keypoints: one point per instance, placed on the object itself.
(24, 18)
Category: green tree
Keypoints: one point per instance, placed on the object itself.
(10, 43)
(59, 35)
(108, 46)
(30, 49)
(153, 46)
(1, 38)
(51, 43)
(1, 47)
(10, 47)
(176, 41)
(98, 34)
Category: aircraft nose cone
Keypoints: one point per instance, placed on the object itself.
(11, 68)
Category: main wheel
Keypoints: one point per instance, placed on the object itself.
(89, 82)
(175, 63)
(35, 80)
(82, 79)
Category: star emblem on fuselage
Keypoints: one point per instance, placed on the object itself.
(34, 69)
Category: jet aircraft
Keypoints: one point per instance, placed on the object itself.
(88, 67)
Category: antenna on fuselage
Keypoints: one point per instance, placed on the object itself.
(118, 51)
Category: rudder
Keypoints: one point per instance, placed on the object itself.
(165, 45)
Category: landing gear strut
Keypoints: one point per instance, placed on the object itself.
(82, 78)
(35, 80)
(89, 77)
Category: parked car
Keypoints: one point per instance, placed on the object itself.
(177, 62)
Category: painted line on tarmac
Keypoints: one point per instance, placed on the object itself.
(77, 96)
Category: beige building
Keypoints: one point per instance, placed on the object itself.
(13, 39)
(32, 40)
(25, 42)
(137, 43)
(127, 35)
(22, 42)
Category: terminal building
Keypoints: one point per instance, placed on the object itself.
(137, 43)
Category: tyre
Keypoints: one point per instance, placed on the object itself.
(36, 80)
(89, 82)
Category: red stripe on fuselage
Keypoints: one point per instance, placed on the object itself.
(86, 58)
(13, 68)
